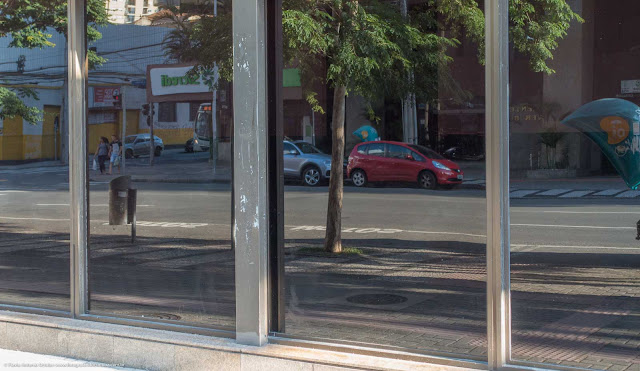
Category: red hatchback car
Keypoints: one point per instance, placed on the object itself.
(384, 161)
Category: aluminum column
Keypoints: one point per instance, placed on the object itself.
(78, 67)
(497, 150)
(250, 170)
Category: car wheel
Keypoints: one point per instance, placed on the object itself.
(311, 176)
(359, 178)
(427, 180)
(128, 153)
(158, 151)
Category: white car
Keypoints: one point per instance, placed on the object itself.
(138, 145)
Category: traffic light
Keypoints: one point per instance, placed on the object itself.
(145, 109)
(116, 98)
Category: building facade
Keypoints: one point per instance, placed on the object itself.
(194, 261)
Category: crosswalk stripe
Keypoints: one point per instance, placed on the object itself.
(608, 192)
(553, 192)
(575, 194)
(628, 194)
(522, 193)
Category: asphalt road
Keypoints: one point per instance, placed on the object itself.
(40, 200)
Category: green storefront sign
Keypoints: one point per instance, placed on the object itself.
(180, 80)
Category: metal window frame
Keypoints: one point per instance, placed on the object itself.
(78, 68)
(257, 184)
(497, 177)
(498, 293)
(250, 168)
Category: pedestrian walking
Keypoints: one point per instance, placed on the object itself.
(102, 152)
(115, 151)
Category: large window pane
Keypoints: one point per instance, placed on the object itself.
(574, 253)
(34, 189)
(411, 273)
(150, 79)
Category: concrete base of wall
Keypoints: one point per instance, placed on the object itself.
(151, 349)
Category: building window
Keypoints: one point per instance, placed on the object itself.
(167, 112)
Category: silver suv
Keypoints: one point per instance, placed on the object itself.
(305, 162)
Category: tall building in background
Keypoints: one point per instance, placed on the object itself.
(129, 11)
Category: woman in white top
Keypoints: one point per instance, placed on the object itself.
(115, 150)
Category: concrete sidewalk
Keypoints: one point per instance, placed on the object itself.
(11, 359)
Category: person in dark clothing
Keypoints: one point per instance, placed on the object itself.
(103, 153)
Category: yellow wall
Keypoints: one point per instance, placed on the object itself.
(171, 136)
(48, 141)
(100, 130)
(12, 145)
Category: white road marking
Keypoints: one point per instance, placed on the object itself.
(569, 226)
(521, 194)
(608, 192)
(578, 247)
(628, 194)
(40, 219)
(97, 205)
(578, 212)
(575, 194)
(366, 230)
(553, 192)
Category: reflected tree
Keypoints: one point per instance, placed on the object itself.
(30, 24)
(368, 48)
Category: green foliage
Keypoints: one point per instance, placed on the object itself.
(535, 26)
(29, 22)
(367, 46)
(201, 38)
(11, 105)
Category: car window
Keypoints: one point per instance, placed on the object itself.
(363, 149)
(428, 153)
(399, 152)
(289, 149)
(376, 149)
(307, 148)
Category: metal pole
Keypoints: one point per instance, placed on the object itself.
(124, 128)
(251, 206)
(214, 107)
(497, 149)
(78, 175)
(152, 146)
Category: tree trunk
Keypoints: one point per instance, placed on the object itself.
(333, 235)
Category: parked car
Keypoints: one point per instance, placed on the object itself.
(138, 145)
(305, 162)
(463, 153)
(385, 161)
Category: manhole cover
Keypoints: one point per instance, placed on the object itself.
(376, 299)
(165, 316)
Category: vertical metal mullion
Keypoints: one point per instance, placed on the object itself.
(276, 166)
(77, 88)
(251, 229)
(497, 149)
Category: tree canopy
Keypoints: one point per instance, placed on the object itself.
(29, 24)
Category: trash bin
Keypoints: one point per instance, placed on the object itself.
(118, 196)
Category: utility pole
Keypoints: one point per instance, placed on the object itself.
(124, 129)
(152, 146)
(409, 112)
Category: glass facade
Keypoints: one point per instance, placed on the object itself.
(34, 182)
(416, 183)
(173, 260)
